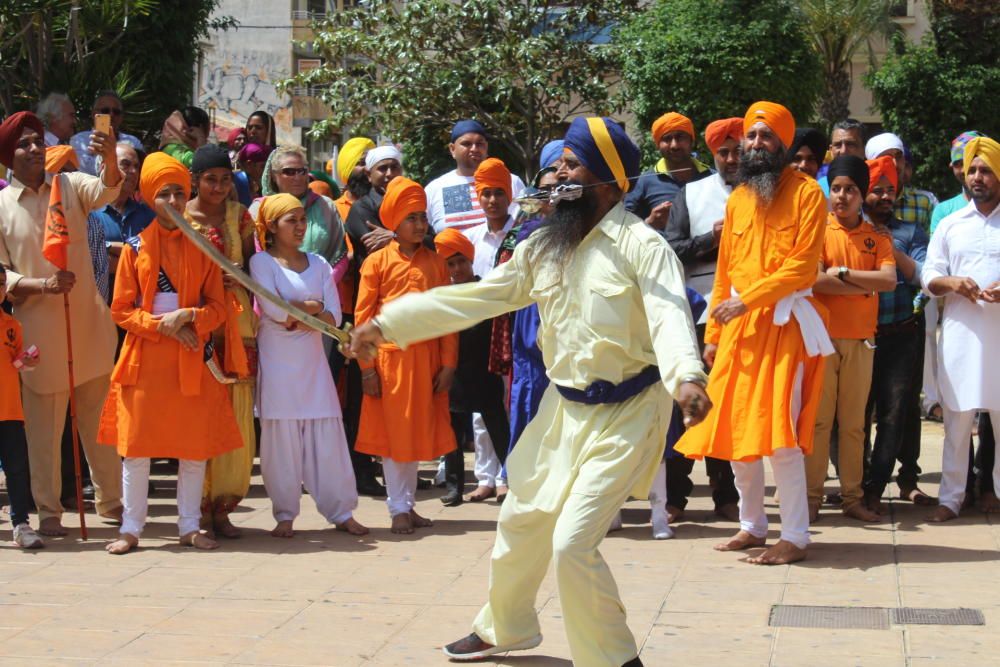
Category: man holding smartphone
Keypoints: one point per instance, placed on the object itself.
(107, 103)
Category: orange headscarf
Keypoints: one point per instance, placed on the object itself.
(775, 116)
(492, 173)
(453, 242)
(882, 166)
(271, 208)
(672, 122)
(57, 157)
(159, 170)
(719, 130)
(321, 188)
(402, 197)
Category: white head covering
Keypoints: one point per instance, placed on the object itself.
(380, 153)
(881, 143)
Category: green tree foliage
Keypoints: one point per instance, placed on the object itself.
(410, 70)
(145, 50)
(839, 29)
(928, 93)
(712, 59)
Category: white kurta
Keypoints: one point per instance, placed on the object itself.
(967, 243)
(293, 378)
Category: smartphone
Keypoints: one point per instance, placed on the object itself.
(102, 123)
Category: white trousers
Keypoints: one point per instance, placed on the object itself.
(788, 466)
(400, 485)
(955, 464)
(310, 453)
(930, 388)
(135, 495)
(658, 492)
(487, 466)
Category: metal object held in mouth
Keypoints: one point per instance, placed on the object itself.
(343, 336)
(531, 202)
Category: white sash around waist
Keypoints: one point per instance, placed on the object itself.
(814, 333)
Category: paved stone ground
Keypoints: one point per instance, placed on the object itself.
(331, 599)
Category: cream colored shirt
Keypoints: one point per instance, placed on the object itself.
(22, 229)
(617, 306)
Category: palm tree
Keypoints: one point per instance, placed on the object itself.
(838, 29)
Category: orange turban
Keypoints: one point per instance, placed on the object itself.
(57, 157)
(882, 166)
(672, 122)
(775, 116)
(322, 188)
(453, 242)
(719, 130)
(159, 170)
(402, 197)
(271, 208)
(493, 173)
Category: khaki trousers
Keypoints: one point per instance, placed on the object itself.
(44, 419)
(846, 384)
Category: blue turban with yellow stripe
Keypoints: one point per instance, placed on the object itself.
(601, 145)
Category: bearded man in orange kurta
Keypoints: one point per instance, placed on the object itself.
(404, 412)
(766, 336)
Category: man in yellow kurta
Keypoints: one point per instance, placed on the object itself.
(766, 338)
(36, 287)
(618, 341)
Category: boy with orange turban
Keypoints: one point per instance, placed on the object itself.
(165, 403)
(404, 413)
(476, 391)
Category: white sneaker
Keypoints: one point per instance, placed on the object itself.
(26, 538)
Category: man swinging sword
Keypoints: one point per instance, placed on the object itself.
(618, 341)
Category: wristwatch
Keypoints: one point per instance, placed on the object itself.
(842, 272)
(695, 379)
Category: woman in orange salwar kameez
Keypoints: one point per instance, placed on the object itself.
(164, 401)
(404, 413)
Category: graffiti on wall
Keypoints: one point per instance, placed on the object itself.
(240, 85)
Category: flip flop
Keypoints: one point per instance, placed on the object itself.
(918, 497)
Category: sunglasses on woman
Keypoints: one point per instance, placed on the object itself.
(294, 171)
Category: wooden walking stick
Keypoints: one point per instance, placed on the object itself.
(72, 420)
(54, 249)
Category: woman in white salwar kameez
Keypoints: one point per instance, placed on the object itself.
(302, 439)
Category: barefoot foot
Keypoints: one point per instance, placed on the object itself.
(480, 494)
(741, 540)
(941, 514)
(283, 529)
(125, 543)
(51, 527)
(353, 527)
(861, 513)
(223, 526)
(402, 524)
(419, 521)
(198, 540)
(781, 553)
(989, 503)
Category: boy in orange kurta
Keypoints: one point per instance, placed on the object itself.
(765, 336)
(404, 413)
(164, 402)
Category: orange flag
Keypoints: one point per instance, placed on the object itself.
(56, 231)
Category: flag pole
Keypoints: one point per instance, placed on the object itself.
(72, 420)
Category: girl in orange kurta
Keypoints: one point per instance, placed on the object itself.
(404, 413)
(166, 404)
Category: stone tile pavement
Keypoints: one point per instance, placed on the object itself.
(326, 598)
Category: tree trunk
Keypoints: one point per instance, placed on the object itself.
(835, 103)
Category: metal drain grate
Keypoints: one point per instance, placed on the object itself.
(802, 616)
(918, 616)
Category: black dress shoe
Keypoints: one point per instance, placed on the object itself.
(88, 492)
(634, 662)
(424, 484)
(452, 499)
(371, 487)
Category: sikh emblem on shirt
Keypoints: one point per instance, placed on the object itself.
(870, 243)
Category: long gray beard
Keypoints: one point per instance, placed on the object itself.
(563, 230)
(760, 170)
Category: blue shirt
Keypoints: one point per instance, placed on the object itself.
(119, 227)
(88, 162)
(897, 306)
(658, 186)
